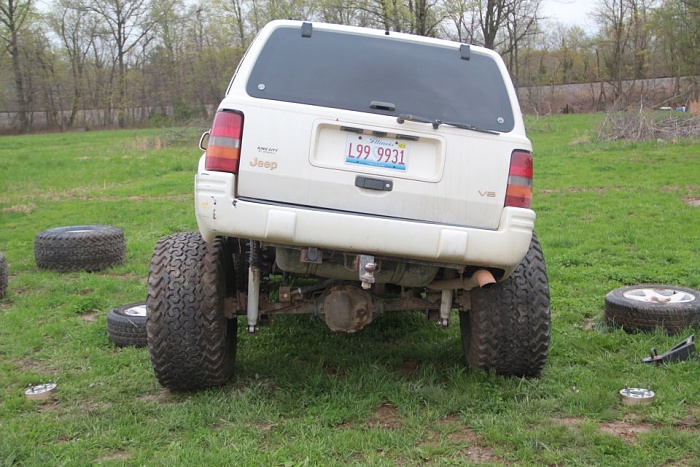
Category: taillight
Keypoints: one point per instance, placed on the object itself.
(519, 191)
(224, 145)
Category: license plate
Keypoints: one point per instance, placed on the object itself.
(376, 152)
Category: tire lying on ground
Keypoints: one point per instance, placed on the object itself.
(647, 307)
(82, 247)
(126, 325)
(3, 275)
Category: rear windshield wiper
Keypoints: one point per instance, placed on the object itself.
(413, 118)
(436, 123)
(466, 126)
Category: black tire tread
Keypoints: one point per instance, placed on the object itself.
(80, 248)
(191, 343)
(126, 330)
(507, 331)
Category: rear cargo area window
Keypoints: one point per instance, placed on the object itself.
(348, 71)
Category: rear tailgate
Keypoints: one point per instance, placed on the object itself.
(448, 176)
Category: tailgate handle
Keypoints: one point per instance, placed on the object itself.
(374, 183)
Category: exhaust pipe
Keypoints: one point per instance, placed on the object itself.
(481, 278)
(484, 278)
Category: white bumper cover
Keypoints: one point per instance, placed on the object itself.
(220, 214)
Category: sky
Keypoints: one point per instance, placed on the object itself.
(569, 12)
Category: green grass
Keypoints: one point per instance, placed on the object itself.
(397, 393)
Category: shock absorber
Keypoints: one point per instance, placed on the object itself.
(253, 309)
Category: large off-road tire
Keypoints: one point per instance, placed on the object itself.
(79, 248)
(507, 329)
(191, 342)
(126, 325)
(3, 275)
(647, 307)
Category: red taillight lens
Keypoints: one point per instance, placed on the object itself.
(224, 145)
(519, 191)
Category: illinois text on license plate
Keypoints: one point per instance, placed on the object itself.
(376, 152)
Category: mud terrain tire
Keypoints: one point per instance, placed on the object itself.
(126, 325)
(191, 342)
(82, 247)
(647, 307)
(507, 330)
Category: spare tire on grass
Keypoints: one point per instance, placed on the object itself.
(3, 275)
(126, 325)
(647, 307)
(79, 248)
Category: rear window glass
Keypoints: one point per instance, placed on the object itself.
(349, 71)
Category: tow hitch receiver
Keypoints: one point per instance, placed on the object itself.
(681, 351)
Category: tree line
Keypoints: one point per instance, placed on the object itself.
(172, 59)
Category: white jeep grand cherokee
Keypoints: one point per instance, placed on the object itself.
(349, 172)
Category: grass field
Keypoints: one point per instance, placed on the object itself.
(397, 393)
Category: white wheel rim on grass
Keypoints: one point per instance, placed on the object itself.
(649, 295)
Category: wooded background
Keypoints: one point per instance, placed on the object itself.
(104, 63)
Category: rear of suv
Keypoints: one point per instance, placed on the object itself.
(349, 172)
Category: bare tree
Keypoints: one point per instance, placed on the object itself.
(612, 17)
(13, 18)
(77, 32)
(521, 25)
(492, 15)
(461, 22)
(425, 17)
(625, 36)
(127, 23)
(342, 12)
(680, 43)
(495, 24)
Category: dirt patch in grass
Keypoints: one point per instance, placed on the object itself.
(570, 421)
(21, 208)
(119, 455)
(22, 291)
(629, 432)
(689, 423)
(48, 405)
(90, 193)
(692, 201)
(408, 367)
(599, 190)
(162, 397)
(89, 317)
(386, 416)
(264, 427)
(333, 370)
(95, 408)
(467, 442)
(475, 452)
(35, 367)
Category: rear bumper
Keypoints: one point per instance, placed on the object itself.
(220, 214)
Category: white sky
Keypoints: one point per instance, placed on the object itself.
(569, 12)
